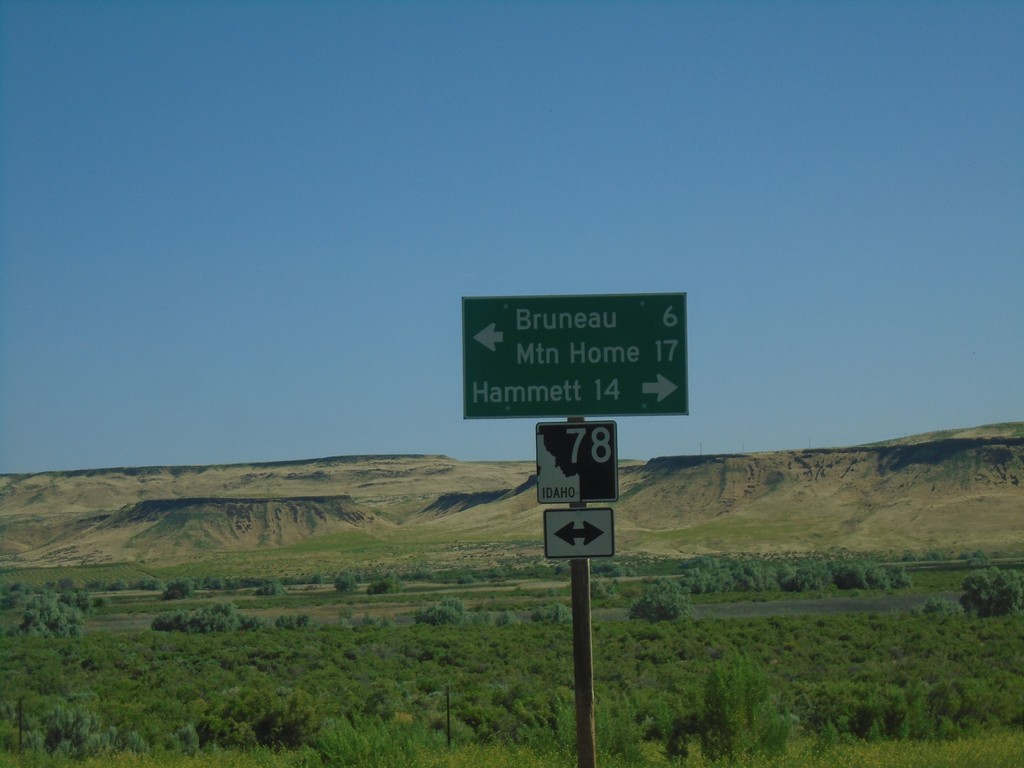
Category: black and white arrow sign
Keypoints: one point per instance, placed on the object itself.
(587, 532)
(569, 533)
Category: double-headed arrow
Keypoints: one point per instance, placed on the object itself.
(573, 533)
(569, 533)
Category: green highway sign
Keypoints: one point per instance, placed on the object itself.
(597, 355)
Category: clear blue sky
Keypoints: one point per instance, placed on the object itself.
(241, 231)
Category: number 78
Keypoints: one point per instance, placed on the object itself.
(601, 445)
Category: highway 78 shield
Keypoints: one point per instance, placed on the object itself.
(577, 462)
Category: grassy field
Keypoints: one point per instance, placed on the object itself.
(993, 750)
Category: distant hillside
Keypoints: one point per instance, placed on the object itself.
(236, 523)
(182, 513)
(949, 493)
(956, 490)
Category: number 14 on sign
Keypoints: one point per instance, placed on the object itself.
(606, 390)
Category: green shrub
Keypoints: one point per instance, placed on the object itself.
(940, 606)
(369, 743)
(178, 589)
(449, 611)
(72, 731)
(602, 589)
(77, 598)
(618, 731)
(282, 720)
(187, 739)
(270, 588)
(219, 617)
(993, 592)
(292, 621)
(703, 575)
(248, 623)
(46, 616)
(855, 574)
(738, 716)
(864, 574)
(389, 584)
(807, 576)
(898, 577)
(889, 711)
(662, 600)
(14, 595)
(345, 583)
(754, 576)
(76, 732)
(556, 613)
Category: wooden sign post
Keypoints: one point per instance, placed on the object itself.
(583, 663)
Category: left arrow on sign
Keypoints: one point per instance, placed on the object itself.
(569, 533)
(490, 337)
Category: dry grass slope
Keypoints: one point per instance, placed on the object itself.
(957, 489)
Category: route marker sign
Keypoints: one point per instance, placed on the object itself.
(577, 462)
(596, 355)
(579, 533)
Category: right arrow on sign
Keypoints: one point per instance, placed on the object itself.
(662, 388)
(569, 533)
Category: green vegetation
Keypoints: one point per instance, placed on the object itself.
(994, 592)
(52, 616)
(662, 600)
(178, 589)
(451, 610)
(343, 648)
(941, 607)
(346, 582)
(270, 588)
(703, 575)
(352, 692)
(219, 617)
(421, 749)
(388, 585)
(739, 715)
(661, 683)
